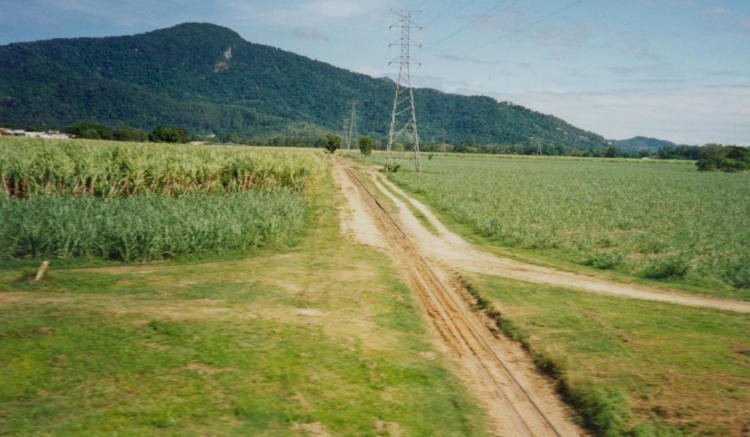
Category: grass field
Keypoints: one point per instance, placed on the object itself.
(276, 325)
(660, 221)
(129, 201)
(649, 368)
(148, 227)
(318, 338)
(31, 167)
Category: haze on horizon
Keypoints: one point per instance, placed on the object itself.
(672, 69)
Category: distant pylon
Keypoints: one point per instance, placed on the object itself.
(345, 131)
(353, 134)
(404, 116)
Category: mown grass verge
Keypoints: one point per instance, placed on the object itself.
(629, 367)
(319, 338)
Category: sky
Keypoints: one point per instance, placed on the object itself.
(673, 69)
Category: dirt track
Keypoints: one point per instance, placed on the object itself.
(518, 401)
(452, 251)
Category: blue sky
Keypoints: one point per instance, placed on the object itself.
(673, 69)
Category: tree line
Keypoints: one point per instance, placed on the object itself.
(708, 157)
(724, 158)
(159, 134)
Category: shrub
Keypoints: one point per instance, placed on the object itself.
(669, 267)
(725, 158)
(737, 272)
(128, 133)
(89, 130)
(366, 145)
(392, 167)
(604, 410)
(163, 134)
(329, 142)
(604, 260)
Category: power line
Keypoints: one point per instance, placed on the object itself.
(532, 24)
(483, 16)
(404, 116)
(426, 2)
(441, 13)
(445, 11)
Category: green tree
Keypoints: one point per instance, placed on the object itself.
(366, 145)
(86, 129)
(330, 142)
(725, 158)
(129, 133)
(163, 134)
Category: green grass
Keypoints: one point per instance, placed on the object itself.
(627, 365)
(660, 221)
(130, 201)
(323, 333)
(30, 167)
(148, 227)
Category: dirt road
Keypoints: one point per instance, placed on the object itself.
(452, 251)
(517, 400)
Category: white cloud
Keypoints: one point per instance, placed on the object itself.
(311, 33)
(337, 9)
(718, 10)
(467, 59)
(693, 115)
(317, 12)
(745, 27)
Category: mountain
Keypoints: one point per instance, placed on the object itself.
(642, 143)
(206, 78)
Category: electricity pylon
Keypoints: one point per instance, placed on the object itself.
(353, 134)
(345, 131)
(404, 116)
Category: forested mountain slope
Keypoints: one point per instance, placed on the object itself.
(206, 78)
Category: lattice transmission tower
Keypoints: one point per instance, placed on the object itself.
(352, 134)
(345, 133)
(404, 115)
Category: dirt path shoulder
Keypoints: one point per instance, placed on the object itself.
(518, 401)
(452, 251)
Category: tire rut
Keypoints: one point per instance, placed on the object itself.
(517, 400)
(452, 251)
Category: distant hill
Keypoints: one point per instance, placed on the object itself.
(642, 143)
(206, 78)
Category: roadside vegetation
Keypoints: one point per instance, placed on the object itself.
(102, 169)
(148, 227)
(630, 367)
(95, 131)
(724, 158)
(660, 221)
(317, 338)
(133, 201)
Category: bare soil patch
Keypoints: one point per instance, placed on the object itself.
(452, 251)
(517, 400)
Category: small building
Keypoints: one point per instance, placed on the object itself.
(50, 135)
